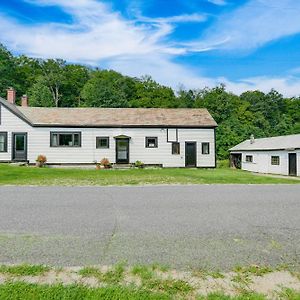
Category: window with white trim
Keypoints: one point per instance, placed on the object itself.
(249, 158)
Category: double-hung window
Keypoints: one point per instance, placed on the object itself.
(65, 139)
(102, 142)
(3, 141)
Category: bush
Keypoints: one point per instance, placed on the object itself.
(139, 164)
(105, 162)
(223, 164)
(41, 158)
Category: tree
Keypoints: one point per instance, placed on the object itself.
(40, 94)
(7, 71)
(75, 77)
(105, 89)
(151, 94)
(53, 71)
(218, 101)
(27, 71)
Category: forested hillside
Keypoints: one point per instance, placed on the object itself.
(57, 83)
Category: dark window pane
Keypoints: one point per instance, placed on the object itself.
(151, 142)
(76, 139)
(275, 160)
(65, 140)
(249, 158)
(20, 142)
(175, 148)
(3, 142)
(102, 142)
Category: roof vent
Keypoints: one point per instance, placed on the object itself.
(252, 139)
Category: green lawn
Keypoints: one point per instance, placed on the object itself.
(16, 175)
(27, 291)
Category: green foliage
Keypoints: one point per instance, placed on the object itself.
(27, 291)
(105, 89)
(7, 71)
(139, 164)
(113, 276)
(24, 270)
(244, 296)
(39, 94)
(53, 82)
(151, 94)
(68, 177)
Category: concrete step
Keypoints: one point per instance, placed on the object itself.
(122, 166)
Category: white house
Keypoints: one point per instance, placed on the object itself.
(275, 155)
(165, 137)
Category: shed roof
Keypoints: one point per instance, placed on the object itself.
(285, 142)
(113, 117)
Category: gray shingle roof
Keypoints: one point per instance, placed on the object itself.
(113, 117)
(273, 143)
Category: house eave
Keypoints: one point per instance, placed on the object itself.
(260, 150)
(123, 126)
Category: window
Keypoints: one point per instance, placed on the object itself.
(3, 141)
(275, 160)
(102, 142)
(205, 148)
(65, 139)
(151, 142)
(175, 148)
(249, 158)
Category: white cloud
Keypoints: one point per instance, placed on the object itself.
(252, 25)
(175, 19)
(100, 36)
(218, 2)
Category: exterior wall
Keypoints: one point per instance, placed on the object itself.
(39, 143)
(262, 162)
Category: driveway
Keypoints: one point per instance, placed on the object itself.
(182, 226)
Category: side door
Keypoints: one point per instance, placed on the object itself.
(19, 146)
(191, 154)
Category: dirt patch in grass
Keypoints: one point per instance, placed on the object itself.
(256, 281)
(253, 282)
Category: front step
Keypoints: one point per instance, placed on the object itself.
(122, 166)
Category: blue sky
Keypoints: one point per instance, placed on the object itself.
(246, 44)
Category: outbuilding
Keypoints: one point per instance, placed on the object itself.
(154, 136)
(274, 155)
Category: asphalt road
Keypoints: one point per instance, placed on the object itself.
(207, 226)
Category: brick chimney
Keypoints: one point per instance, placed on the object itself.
(24, 101)
(11, 95)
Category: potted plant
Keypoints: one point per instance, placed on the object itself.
(41, 160)
(139, 164)
(105, 163)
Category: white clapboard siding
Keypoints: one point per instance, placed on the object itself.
(262, 162)
(39, 143)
